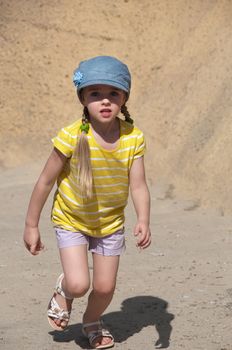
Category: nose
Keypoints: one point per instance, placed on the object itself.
(105, 100)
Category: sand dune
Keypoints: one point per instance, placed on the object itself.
(179, 53)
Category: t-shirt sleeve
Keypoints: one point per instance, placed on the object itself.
(140, 147)
(64, 142)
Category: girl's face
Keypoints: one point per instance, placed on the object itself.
(103, 102)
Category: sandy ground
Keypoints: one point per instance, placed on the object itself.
(178, 291)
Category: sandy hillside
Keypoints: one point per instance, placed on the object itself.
(179, 53)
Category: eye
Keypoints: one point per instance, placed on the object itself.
(94, 93)
(114, 93)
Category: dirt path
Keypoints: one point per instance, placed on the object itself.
(180, 287)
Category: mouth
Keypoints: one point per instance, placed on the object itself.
(105, 112)
(108, 110)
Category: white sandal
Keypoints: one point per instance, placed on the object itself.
(54, 311)
(99, 332)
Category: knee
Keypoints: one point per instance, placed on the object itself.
(104, 289)
(77, 288)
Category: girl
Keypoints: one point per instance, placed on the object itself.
(95, 160)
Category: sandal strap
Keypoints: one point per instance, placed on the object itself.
(100, 332)
(106, 333)
(59, 290)
(86, 325)
(93, 335)
(56, 312)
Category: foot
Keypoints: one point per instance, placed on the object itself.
(65, 305)
(59, 307)
(99, 338)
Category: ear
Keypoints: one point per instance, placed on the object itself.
(125, 98)
(81, 97)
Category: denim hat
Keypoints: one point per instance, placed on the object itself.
(105, 70)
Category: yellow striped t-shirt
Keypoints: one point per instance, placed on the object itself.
(103, 214)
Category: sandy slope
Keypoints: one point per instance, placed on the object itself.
(179, 290)
(179, 55)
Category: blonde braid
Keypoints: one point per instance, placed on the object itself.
(126, 114)
(84, 169)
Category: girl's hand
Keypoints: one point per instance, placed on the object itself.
(32, 240)
(143, 234)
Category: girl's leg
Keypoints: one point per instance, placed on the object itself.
(74, 261)
(105, 270)
(76, 279)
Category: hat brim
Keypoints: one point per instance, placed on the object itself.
(103, 82)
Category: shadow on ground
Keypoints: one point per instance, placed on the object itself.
(135, 314)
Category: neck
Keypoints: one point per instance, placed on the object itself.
(105, 129)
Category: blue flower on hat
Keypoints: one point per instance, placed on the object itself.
(77, 78)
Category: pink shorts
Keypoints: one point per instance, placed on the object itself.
(111, 245)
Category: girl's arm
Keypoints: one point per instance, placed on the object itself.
(43, 187)
(141, 199)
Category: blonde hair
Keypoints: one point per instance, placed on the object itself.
(84, 169)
